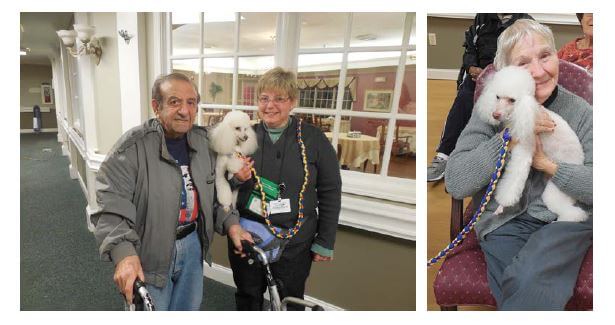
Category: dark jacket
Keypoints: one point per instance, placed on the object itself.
(138, 189)
(282, 162)
(481, 40)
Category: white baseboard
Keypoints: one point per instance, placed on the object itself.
(443, 74)
(72, 172)
(224, 275)
(42, 130)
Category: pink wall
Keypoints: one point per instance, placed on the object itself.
(366, 81)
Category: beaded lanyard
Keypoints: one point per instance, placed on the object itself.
(294, 230)
(486, 198)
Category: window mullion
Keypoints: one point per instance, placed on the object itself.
(399, 78)
(236, 60)
(342, 81)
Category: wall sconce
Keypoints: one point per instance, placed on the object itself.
(90, 45)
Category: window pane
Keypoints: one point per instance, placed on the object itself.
(318, 80)
(185, 33)
(322, 30)
(217, 84)
(360, 151)
(377, 29)
(250, 69)
(187, 67)
(403, 152)
(219, 32)
(257, 32)
(374, 74)
(407, 99)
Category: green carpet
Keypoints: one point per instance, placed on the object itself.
(60, 268)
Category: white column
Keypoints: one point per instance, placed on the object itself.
(287, 40)
(88, 93)
(131, 70)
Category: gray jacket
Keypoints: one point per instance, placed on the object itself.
(138, 190)
(470, 165)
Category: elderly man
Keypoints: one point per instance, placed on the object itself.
(155, 192)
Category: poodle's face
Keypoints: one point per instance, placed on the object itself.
(504, 106)
(239, 124)
(503, 92)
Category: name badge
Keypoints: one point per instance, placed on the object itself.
(254, 205)
(279, 206)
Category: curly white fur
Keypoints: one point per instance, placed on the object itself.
(228, 138)
(509, 98)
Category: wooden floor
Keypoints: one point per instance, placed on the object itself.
(440, 96)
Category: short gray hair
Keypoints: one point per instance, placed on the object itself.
(516, 32)
(157, 92)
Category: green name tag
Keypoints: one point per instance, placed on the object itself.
(271, 189)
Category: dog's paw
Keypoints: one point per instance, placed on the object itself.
(506, 198)
(575, 214)
(499, 210)
(226, 209)
(234, 165)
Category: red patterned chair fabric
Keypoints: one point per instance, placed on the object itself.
(462, 278)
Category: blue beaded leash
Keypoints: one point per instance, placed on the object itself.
(486, 198)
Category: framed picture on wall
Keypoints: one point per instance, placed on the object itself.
(46, 94)
(378, 100)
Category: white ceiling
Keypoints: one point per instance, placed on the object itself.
(318, 30)
(38, 32)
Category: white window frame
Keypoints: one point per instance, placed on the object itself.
(398, 222)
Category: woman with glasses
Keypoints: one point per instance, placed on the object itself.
(291, 203)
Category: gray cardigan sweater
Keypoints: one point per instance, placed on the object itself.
(470, 165)
(281, 162)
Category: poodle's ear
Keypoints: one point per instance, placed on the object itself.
(485, 106)
(222, 139)
(249, 146)
(524, 115)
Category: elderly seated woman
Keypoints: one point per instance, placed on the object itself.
(532, 261)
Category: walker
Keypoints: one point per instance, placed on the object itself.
(255, 253)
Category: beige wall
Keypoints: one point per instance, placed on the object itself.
(106, 83)
(32, 76)
(370, 272)
(448, 52)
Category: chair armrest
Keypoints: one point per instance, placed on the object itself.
(456, 217)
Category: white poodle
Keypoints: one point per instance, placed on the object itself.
(230, 138)
(508, 98)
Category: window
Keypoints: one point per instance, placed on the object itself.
(356, 74)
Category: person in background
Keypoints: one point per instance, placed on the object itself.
(156, 211)
(580, 51)
(480, 45)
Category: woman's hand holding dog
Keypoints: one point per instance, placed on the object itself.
(541, 162)
(544, 122)
(245, 173)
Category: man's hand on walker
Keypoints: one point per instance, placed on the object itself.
(126, 272)
(237, 234)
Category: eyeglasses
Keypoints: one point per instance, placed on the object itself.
(264, 100)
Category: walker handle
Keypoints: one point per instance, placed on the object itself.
(254, 252)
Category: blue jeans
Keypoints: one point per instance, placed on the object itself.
(184, 288)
